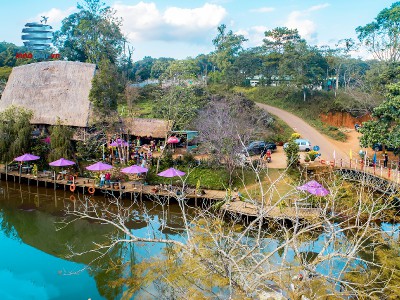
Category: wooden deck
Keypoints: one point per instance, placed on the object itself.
(292, 213)
(131, 189)
(117, 188)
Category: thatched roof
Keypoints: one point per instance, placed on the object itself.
(155, 128)
(52, 89)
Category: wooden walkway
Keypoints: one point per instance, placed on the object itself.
(117, 188)
(273, 212)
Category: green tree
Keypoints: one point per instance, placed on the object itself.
(15, 132)
(91, 34)
(385, 127)
(305, 66)
(60, 142)
(228, 45)
(141, 70)
(292, 152)
(179, 105)
(107, 87)
(278, 38)
(382, 37)
(160, 66)
(182, 69)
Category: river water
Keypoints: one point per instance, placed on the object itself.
(35, 260)
(35, 252)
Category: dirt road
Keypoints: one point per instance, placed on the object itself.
(328, 147)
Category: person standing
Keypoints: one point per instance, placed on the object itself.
(108, 179)
(385, 160)
(102, 180)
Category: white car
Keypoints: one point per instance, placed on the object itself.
(304, 145)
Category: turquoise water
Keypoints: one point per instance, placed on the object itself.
(34, 262)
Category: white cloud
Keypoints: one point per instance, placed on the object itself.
(300, 20)
(318, 7)
(144, 22)
(263, 9)
(254, 34)
(306, 27)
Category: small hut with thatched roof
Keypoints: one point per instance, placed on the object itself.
(151, 128)
(52, 90)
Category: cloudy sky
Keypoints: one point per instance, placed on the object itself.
(183, 28)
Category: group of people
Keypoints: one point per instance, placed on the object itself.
(105, 179)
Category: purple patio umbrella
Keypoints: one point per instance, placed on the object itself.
(135, 169)
(26, 157)
(119, 142)
(171, 172)
(62, 162)
(314, 188)
(99, 166)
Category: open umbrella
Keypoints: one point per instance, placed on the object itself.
(314, 188)
(173, 140)
(99, 166)
(135, 169)
(119, 142)
(26, 157)
(62, 162)
(171, 172)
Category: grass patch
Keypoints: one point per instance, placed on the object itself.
(210, 178)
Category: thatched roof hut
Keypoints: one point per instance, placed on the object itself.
(155, 128)
(52, 89)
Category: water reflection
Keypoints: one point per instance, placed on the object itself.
(29, 220)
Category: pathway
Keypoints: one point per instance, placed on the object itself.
(327, 148)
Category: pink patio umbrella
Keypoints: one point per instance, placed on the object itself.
(135, 169)
(172, 140)
(314, 188)
(99, 166)
(62, 162)
(26, 157)
(171, 172)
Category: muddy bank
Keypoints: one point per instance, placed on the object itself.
(343, 119)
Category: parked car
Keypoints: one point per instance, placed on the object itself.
(304, 145)
(257, 147)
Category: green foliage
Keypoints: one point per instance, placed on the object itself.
(385, 128)
(381, 37)
(60, 142)
(312, 155)
(15, 132)
(4, 73)
(179, 105)
(90, 35)
(292, 153)
(107, 88)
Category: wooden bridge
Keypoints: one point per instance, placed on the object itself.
(383, 179)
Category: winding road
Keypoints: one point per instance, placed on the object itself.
(327, 148)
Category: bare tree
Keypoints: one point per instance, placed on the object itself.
(226, 125)
(218, 255)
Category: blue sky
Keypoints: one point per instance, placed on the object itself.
(182, 28)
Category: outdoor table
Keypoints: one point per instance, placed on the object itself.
(26, 170)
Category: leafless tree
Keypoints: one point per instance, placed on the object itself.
(227, 125)
(219, 255)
